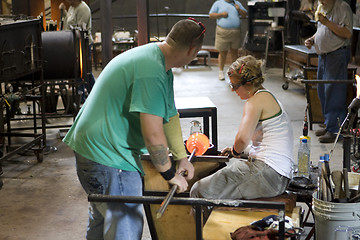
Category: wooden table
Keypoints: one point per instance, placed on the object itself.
(297, 57)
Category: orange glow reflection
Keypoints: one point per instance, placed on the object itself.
(357, 78)
(81, 59)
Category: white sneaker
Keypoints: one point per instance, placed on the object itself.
(221, 75)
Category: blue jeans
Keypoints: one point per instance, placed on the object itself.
(111, 220)
(333, 66)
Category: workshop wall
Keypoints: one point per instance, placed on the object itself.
(124, 16)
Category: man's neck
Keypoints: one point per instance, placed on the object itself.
(171, 55)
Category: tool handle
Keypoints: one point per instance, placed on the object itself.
(166, 201)
(346, 183)
(172, 191)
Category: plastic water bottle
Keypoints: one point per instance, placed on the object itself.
(306, 132)
(304, 159)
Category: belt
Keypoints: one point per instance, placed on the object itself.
(324, 54)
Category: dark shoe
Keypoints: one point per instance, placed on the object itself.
(328, 137)
(320, 132)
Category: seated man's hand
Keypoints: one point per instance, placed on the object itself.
(186, 167)
(180, 182)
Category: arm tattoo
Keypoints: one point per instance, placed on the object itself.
(158, 154)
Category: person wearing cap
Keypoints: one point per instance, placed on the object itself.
(131, 111)
(264, 136)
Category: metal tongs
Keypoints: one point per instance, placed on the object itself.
(348, 121)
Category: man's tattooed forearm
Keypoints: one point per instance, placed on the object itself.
(158, 154)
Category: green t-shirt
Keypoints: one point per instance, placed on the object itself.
(107, 129)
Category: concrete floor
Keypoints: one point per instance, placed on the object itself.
(42, 201)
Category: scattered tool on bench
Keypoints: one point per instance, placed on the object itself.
(197, 144)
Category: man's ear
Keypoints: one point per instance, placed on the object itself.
(191, 50)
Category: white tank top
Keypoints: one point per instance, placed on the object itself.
(272, 142)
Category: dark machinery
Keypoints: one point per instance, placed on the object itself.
(66, 67)
(36, 68)
(259, 20)
(21, 78)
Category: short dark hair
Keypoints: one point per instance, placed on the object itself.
(185, 33)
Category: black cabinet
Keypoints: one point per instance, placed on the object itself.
(259, 20)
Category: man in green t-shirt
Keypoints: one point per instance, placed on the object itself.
(131, 109)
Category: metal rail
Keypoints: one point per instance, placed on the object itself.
(197, 203)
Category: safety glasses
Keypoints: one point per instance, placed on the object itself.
(234, 87)
(202, 27)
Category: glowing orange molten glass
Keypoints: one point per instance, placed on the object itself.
(81, 60)
(198, 141)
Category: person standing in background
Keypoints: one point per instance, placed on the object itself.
(332, 42)
(228, 36)
(79, 15)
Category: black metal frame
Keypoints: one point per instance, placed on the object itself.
(205, 113)
(197, 203)
(32, 68)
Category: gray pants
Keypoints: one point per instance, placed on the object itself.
(242, 179)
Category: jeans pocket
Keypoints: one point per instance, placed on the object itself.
(92, 177)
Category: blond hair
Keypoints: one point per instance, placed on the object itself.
(247, 69)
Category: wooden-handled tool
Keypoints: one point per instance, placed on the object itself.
(337, 179)
(197, 144)
(346, 183)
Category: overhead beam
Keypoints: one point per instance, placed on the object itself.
(106, 31)
(142, 9)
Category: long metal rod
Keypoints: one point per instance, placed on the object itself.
(336, 140)
(203, 158)
(172, 191)
(280, 206)
(188, 201)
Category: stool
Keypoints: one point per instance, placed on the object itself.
(268, 32)
(203, 54)
(305, 196)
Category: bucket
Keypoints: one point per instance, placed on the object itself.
(329, 215)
